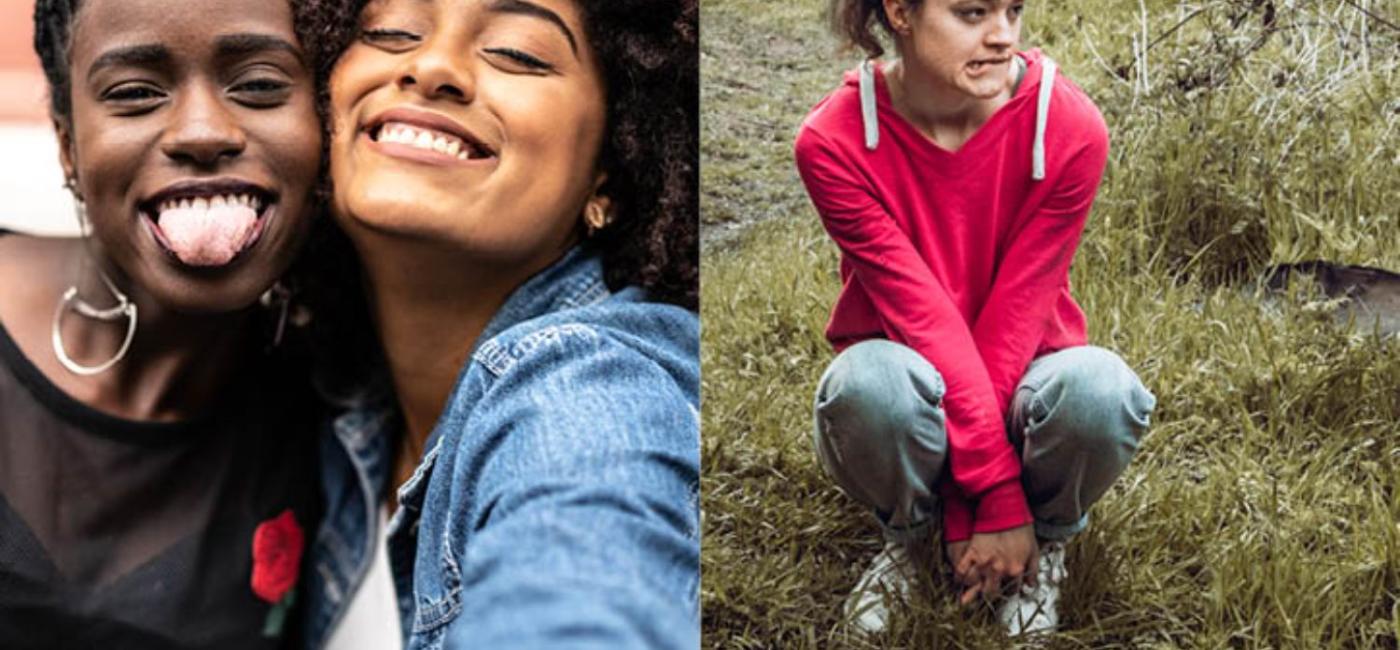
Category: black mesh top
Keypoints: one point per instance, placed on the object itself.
(123, 534)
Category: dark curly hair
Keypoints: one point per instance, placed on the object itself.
(854, 22)
(649, 53)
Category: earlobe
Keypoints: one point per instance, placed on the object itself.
(597, 214)
(65, 155)
(598, 211)
(897, 12)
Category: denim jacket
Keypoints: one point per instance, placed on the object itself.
(556, 505)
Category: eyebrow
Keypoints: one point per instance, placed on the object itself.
(230, 46)
(236, 45)
(134, 55)
(532, 9)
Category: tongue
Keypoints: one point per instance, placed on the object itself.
(207, 237)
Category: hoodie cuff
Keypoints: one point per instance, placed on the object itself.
(1002, 508)
(957, 514)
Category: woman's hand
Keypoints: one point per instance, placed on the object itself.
(989, 559)
(955, 552)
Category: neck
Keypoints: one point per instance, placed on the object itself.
(428, 320)
(940, 111)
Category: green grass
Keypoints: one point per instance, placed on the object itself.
(1263, 510)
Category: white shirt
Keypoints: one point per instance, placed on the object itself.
(372, 621)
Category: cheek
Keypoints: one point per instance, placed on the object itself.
(354, 74)
(565, 142)
(107, 157)
(302, 153)
(290, 154)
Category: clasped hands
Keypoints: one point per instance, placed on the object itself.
(985, 563)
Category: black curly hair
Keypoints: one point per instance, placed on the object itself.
(53, 25)
(649, 53)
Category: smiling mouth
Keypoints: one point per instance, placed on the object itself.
(208, 223)
(429, 144)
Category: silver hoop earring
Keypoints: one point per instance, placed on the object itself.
(70, 300)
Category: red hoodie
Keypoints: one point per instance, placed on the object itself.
(962, 256)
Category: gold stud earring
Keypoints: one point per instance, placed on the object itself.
(595, 218)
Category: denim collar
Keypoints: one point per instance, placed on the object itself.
(575, 280)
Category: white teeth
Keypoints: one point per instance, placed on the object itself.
(429, 140)
(215, 202)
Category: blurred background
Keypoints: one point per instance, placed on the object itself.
(30, 176)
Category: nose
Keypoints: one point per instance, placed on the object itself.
(1004, 32)
(438, 70)
(204, 130)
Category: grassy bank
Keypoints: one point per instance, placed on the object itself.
(1264, 507)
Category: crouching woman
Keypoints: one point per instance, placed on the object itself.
(956, 181)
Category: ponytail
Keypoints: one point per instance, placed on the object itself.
(854, 22)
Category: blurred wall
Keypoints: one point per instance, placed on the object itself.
(30, 176)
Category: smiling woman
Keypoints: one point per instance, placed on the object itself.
(147, 439)
(518, 181)
(510, 88)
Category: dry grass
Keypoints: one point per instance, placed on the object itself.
(1263, 510)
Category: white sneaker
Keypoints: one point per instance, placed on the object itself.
(1032, 610)
(887, 581)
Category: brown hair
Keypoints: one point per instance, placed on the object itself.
(854, 21)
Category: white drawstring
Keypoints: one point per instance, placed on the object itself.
(867, 104)
(870, 118)
(1042, 115)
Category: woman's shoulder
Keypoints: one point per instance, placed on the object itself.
(1071, 109)
(625, 331)
(615, 372)
(836, 114)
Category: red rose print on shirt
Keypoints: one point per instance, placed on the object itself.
(277, 546)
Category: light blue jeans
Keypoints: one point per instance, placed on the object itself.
(1075, 421)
